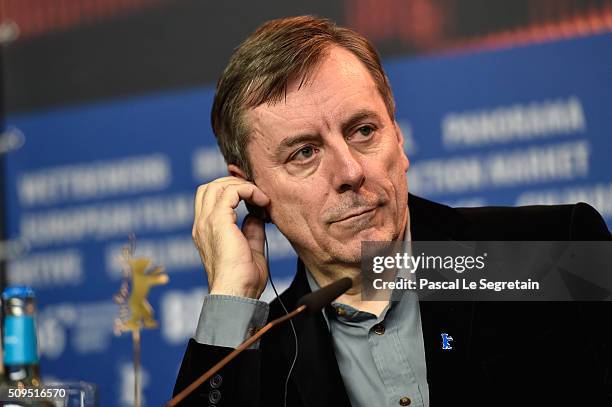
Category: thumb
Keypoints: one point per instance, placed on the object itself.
(255, 233)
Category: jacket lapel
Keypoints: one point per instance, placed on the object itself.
(430, 221)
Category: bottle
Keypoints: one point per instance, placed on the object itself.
(21, 368)
(20, 344)
(2, 375)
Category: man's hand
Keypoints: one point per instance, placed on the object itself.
(234, 259)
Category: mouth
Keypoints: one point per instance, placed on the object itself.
(361, 213)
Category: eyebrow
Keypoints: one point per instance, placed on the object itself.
(346, 126)
(358, 116)
(292, 141)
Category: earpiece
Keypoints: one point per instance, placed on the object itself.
(258, 212)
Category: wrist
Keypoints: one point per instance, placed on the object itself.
(236, 291)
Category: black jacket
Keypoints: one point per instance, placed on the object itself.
(508, 353)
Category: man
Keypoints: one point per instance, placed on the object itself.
(305, 119)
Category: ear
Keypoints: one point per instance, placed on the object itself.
(400, 142)
(235, 171)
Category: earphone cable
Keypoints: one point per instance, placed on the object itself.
(290, 321)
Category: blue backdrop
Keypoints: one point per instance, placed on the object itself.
(509, 127)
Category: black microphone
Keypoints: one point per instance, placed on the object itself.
(312, 302)
(317, 300)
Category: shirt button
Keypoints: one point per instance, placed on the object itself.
(405, 401)
(214, 396)
(216, 381)
(341, 311)
(379, 329)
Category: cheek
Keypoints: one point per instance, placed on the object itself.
(298, 220)
(293, 206)
(395, 167)
(390, 167)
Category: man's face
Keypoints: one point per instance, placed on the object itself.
(332, 162)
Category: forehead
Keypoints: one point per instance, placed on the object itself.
(337, 87)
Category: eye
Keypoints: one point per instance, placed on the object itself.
(365, 131)
(304, 153)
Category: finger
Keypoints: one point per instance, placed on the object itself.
(208, 194)
(254, 231)
(204, 188)
(233, 194)
(198, 200)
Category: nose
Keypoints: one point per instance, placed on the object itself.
(346, 168)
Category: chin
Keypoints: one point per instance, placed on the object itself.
(348, 255)
(376, 235)
(350, 250)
